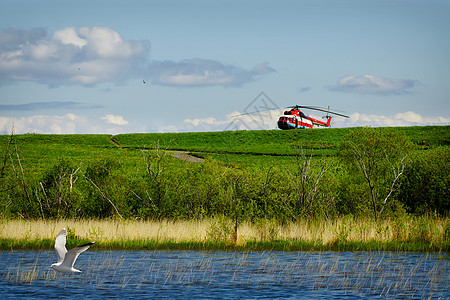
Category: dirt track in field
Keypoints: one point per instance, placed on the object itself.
(183, 155)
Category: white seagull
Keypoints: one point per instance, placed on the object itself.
(66, 259)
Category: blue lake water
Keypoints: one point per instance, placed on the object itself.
(227, 275)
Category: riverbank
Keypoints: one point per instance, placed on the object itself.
(427, 234)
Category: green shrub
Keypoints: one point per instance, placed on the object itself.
(426, 184)
(377, 157)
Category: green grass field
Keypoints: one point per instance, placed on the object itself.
(241, 147)
(273, 142)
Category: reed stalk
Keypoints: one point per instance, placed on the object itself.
(342, 233)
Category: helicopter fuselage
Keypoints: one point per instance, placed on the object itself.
(296, 119)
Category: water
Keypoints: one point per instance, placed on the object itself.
(227, 275)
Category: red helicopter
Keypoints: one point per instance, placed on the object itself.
(296, 119)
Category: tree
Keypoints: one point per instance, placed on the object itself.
(308, 182)
(426, 184)
(378, 155)
(57, 190)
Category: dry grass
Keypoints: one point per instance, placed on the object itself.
(365, 230)
(326, 231)
(105, 230)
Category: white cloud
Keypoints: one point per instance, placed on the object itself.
(86, 56)
(115, 119)
(196, 122)
(203, 72)
(69, 36)
(113, 124)
(408, 118)
(369, 84)
(266, 121)
(234, 121)
(66, 124)
(106, 43)
(205, 78)
(90, 56)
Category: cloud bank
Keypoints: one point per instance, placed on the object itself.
(64, 124)
(115, 119)
(71, 123)
(204, 72)
(269, 121)
(408, 118)
(84, 56)
(369, 84)
(90, 56)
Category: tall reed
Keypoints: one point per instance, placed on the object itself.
(430, 230)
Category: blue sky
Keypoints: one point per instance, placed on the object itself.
(80, 66)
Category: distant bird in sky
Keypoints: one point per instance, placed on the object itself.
(66, 259)
(143, 81)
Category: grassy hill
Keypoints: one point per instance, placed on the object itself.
(275, 142)
(39, 150)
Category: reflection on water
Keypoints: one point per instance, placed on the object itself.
(227, 275)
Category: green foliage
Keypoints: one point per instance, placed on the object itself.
(71, 233)
(353, 195)
(314, 195)
(377, 157)
(221, 229)
(267, 229)
(95, 233)
(255, 176)
(446, 233)
(56, 196)
(425, 186)
(109, 190)
(421, 231)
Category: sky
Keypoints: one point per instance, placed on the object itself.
(184, 66)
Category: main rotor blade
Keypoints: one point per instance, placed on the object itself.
(319, 109)
(255, 112)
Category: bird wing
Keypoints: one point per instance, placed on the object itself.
(60, 245)
(72, 255)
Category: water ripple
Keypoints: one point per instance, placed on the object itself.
(227, 275)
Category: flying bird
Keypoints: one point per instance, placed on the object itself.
(66, 259)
